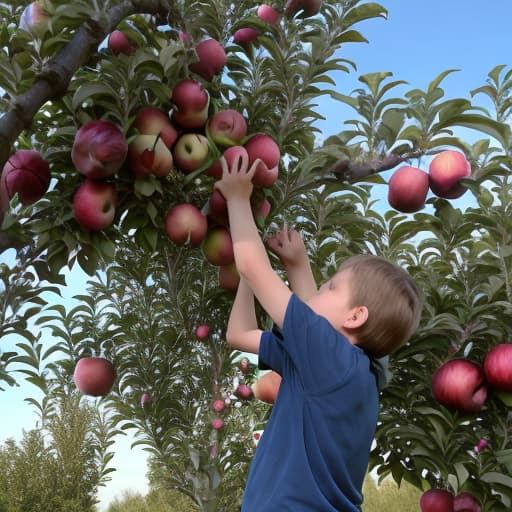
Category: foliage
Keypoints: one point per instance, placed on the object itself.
(388, 497)
(154, 501)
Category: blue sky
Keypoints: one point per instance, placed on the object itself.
(419, 40)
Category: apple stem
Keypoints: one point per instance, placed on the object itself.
(156, 141)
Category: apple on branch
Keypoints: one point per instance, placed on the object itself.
(227, 127)
(185, 223)
(153, 121)
(229, 277)
(211, 59)
(267, 13)
(266, 387)
(265, 148)
(245, 37)
(191, 101)
(408, 189)
(94, 204)
(147, 154)
(445, 172)
(306, 8)
(436, 500)
(202, 331)
(119, 42)
(498, 367)
(218, 246)
(191, 151)
(94, 376)
(34, 19)
(466, 502)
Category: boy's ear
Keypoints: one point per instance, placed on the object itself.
(357, 317)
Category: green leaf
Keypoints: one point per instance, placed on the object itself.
(364, 12)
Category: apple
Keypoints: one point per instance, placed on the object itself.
(153, 121)
(466, 502)
(460, 385)
(147, 154)
(27, 174)
(99, 149)
(445, 172)
(218, 405)
(436, 500)
(217, 423)
(215, 170)
(243, 391)
(267, 13)
(185, 223)
(265, 148)
(227, 127)
(118, 42)
(218, 246)
(191, 151)
(202, 331)
(94, 204)
(498, 367)
(34, 19)
(218, 208)
(211, 59)
(261, 207)
(191, 101)
(229, 277)
(245, 36)
(146, 400)
(244, 365)
(94, 376)
(308, 8)
(408, 189)
(266, 387)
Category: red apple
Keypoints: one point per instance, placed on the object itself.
(215, 170)
(94, 376)
(229, 277)
(466, 502)
(244, 365)
(408, 189)
(436, 500)
(148, 154)
(191, 151)
(445, 172)
(146, 400)
(218, 247)
(185, 223)
(218, 208)
(94, 205)
(191, 101)
(27, 174)
(267, 13)
(460, 385)
(34, 18)
(266, 387)
(265, 148)
(211, 59)
(99, 149)
(118, 42)
(261, 207)
(245, 36)
(243, 391)
(498, 367)
(227, 127)
(152, 121)
(217, 423)
(202, 331)
(308, 8)
(218, 405)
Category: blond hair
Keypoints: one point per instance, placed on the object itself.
(392, 299)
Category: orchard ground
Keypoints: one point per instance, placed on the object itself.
(416, 43)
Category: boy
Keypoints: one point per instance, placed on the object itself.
(314, 452)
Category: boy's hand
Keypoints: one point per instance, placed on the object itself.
(237, 180)
(288, 245)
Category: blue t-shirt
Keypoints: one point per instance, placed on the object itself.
(313, 454)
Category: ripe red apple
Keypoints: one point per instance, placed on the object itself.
(466, 502)
(119, 42)
(265, 148)
(202, 331)
(99, 149)
(245, 36)
(148, 154)
(445, 172)
(229, 277)
(212, 59)
(218, 208)
(185, 223)
(191, 151)
(261, 207)
(94, 376)
(217, 423)
(267, 13)
(27, 174)
(436, 500)
(191, 101)
(408, 189)
(215, 170)
(218, 246)
(266, 387)
(498, 367)
(227, 127)
(153, 121)
(218, 405)
(34, 19)
(94, 205)
(460, 385)
(146, 400)
(308, 8)
(243, 391)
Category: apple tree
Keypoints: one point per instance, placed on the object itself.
(114, 109)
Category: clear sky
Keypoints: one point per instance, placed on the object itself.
(420, 39)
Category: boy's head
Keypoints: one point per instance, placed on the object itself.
(391, 298)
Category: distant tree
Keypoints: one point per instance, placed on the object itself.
(389, 497)
(154, 501)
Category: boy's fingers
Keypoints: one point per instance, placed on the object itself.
(224, 166)
(253, 167)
